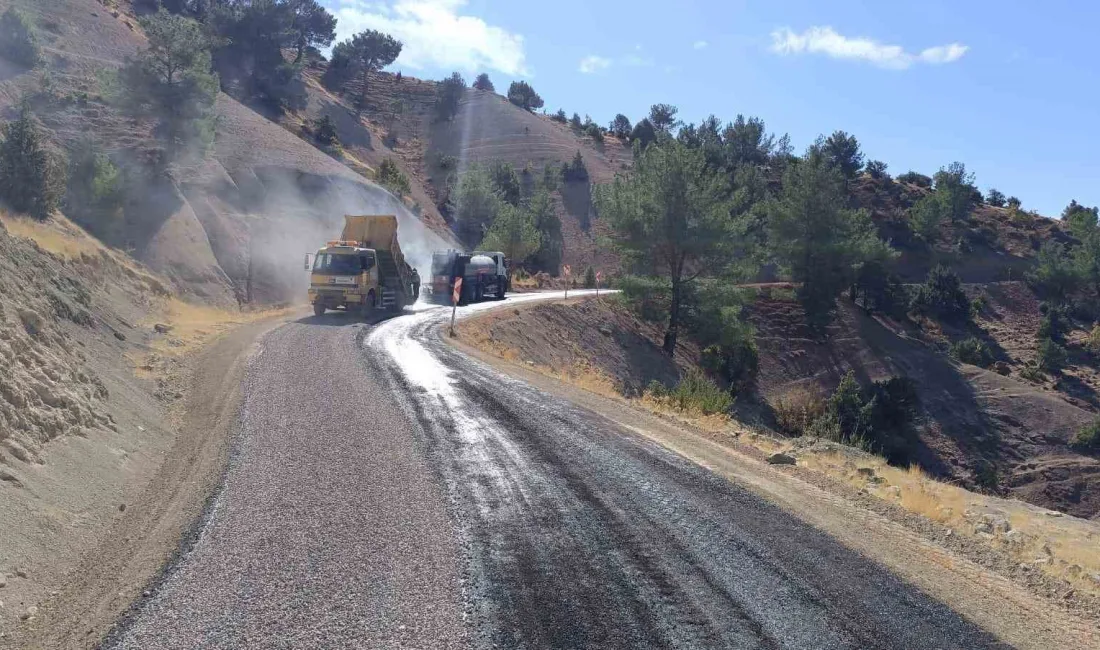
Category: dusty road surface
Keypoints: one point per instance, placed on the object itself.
(387, 491)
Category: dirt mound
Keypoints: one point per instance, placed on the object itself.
(585, 336)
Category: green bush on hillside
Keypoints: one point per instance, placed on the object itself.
(973, 351)
(95, 194)
(18, 42)
(32, 174)
(694, 393)
(1088, 437)
(1051, 356)
(878, 419)
(392, 178)
(941, 295)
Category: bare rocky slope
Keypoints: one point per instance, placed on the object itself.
(80, 430)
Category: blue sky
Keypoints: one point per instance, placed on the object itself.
(1010, 89)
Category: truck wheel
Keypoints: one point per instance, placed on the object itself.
(318, 309)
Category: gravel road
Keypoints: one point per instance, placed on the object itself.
(387, 491)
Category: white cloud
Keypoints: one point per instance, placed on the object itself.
(943, 53)
(699, 44)
(825, 40)
(592, 64)
(436, 34)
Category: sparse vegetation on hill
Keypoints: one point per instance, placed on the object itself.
(171, 82)
(96, 190)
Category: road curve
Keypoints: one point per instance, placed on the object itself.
(386, 491)
(576, 533)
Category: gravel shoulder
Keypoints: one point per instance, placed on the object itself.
(1009, 612)
(148, 534)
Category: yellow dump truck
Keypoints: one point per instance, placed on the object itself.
(364, 270)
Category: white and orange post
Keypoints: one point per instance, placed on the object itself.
(455, 295)
(568, 273)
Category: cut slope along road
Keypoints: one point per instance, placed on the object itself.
(385, 490)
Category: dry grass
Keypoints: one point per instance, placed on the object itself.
(1064, 547)
(797, 408)
(194, 325)
(57, 236)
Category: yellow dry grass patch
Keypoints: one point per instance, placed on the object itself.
(57, 235)
(1064, 547)
(193, 325)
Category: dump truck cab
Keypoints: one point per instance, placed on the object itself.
(364, 270)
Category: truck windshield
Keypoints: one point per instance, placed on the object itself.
(341, 264)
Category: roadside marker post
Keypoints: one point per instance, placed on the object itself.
(454, 302)
(599, 275)
(568, 272)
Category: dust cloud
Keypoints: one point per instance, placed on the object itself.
(299, 213)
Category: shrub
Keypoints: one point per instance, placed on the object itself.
(392, 178)
(18, 42)
(978, 305)
(589, 277)
(877, 169)
(736, 362)
(1054, 323)
(1092, 342)
(1032, 372)
(324, 132)
(878, 419)
(95, 193)
(482, 82)
(1051, 356)
(1088, 437)
(32, 175)
(913, 178)
(575, 122)
(448, 93)
(941, 295)
(973, 351)
(560, 116)
(656, 390)
(797, 409)
(1055, 276)
(595, 132)
(695, 393)
(995, 197)
(648, 297)
(575, 171)
(925, 217)
(523, 95)
(447, 162)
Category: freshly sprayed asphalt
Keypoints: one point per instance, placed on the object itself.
(387, 491)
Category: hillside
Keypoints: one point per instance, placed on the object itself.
(399, 122)
(263, 193)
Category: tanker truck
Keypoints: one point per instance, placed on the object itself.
(484, 275)
(364, 270)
